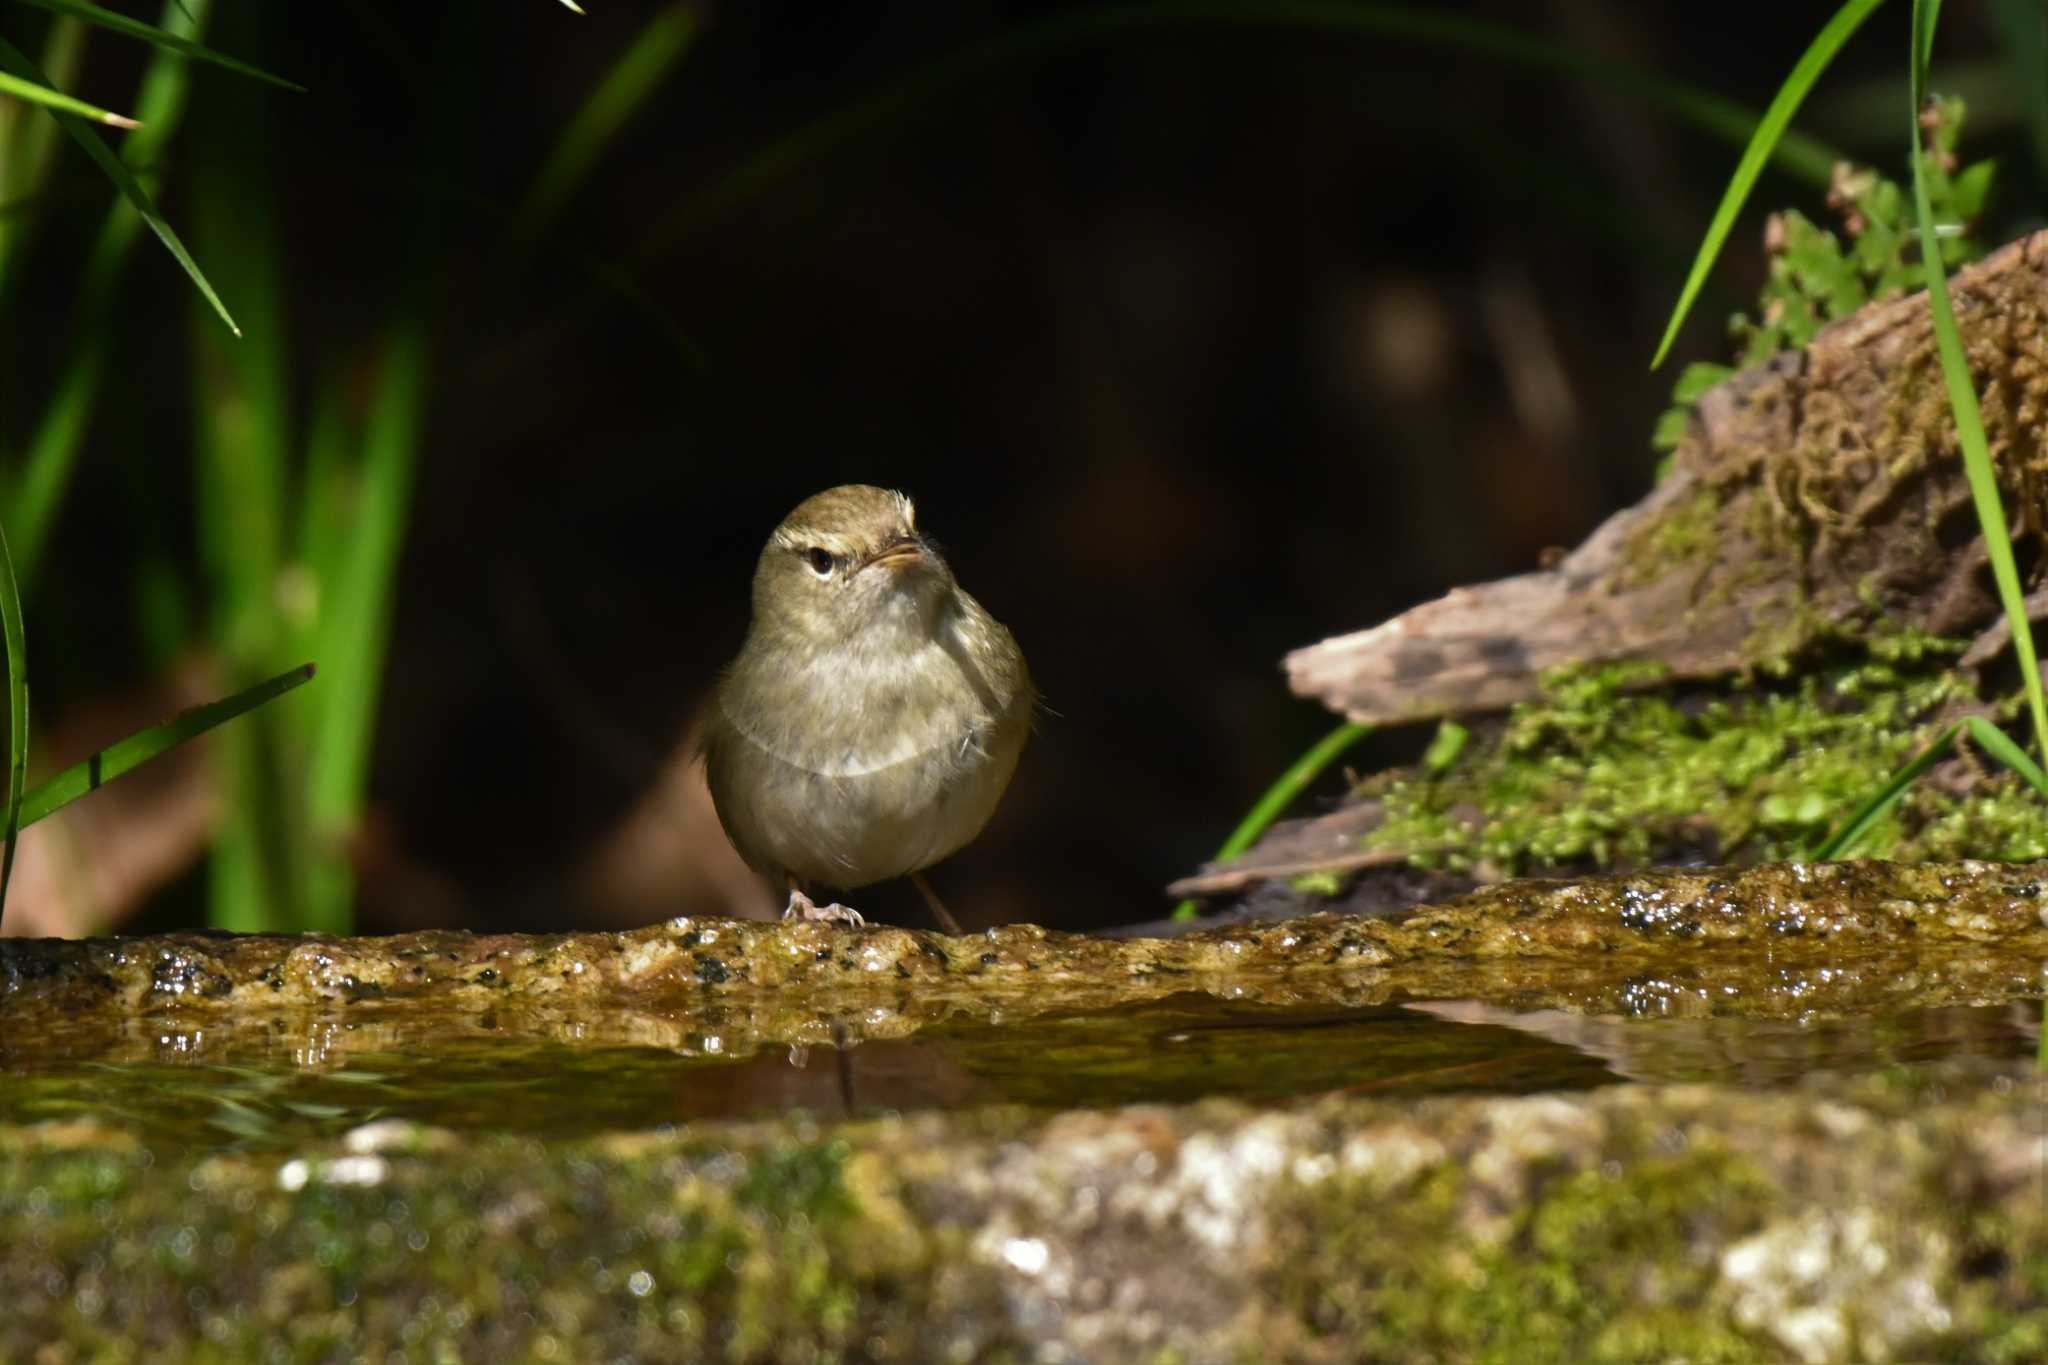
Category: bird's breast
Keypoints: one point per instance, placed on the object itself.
(864, 764)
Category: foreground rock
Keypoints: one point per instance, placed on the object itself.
(1868, 1221)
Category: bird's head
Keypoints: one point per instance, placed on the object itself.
(848, 562)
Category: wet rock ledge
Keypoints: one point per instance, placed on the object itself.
(1780, 940)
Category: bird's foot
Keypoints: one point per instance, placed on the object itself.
(802, 907)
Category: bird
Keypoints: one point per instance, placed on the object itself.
(875, 713)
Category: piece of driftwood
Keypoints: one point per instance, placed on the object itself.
(1817, 497)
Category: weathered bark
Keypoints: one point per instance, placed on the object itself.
(1817, 497)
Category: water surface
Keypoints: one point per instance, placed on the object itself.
(218, 1083)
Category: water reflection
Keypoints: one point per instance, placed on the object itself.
(275, 1082)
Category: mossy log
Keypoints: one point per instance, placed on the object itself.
(1817, 498)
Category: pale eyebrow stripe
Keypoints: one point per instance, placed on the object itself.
(830, 540)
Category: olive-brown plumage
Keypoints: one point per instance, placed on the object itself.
(876, 711)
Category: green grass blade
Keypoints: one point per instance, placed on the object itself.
(28, 142)
(1852, 830)
(1926, 16)
(633, 79)
(15, 639)
(1801, 156)
(1987, 737)
(1281, 795)
(13, 60)
(124, 756)
(1805, 72)
(53, 449)
(23, 88)
(1962, 396)
(356, 616)
(1999, 745)
(1963, 399)
(161, 38)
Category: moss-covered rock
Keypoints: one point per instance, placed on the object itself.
(1865, 1221)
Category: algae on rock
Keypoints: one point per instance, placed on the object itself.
(1598, 773)
(1864, 1220)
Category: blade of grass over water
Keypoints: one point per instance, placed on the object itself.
(22, 88)
(1281, 795)
(15, 639)
(13, 60)
(162, 38)
(1962, 394)
(125, 756)
(1800, 156)
(1777, 118)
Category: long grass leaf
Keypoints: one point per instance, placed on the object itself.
(15, 639)
(60, 435)
(1281, 795)
(124, 756)
(1999, 745)
(1801, 156)
(26, 89)
(161, 38)
(13, 60)
(633, 78)
(356, 615)
(28, 141)
(53, 450)
(1777, 118)
(1962, 394)
(1873, 809)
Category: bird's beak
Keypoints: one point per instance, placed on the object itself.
(899, 553)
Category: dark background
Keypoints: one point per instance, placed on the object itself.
(1195, 342)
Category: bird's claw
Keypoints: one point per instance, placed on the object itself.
(802, 907)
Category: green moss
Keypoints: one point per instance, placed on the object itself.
(630, 1247)
(1324, 884)
(1596, 771)
(1593, 1265)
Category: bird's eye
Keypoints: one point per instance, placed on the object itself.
(820, 560)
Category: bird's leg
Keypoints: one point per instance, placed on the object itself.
(935, 905)
(804, 908)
